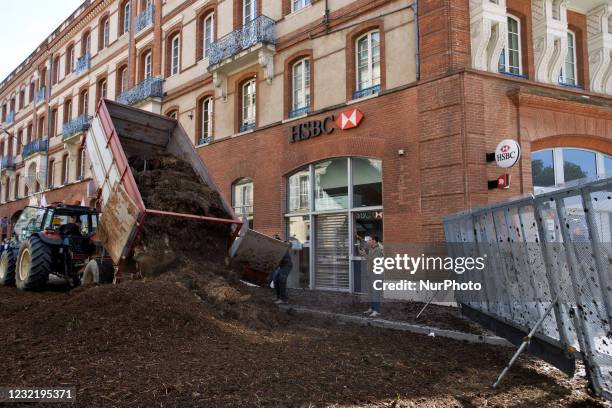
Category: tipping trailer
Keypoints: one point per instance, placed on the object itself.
(118, 132)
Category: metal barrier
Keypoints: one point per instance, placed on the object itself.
(551, 249)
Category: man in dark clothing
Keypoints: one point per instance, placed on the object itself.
(280, 278)
(72, 228)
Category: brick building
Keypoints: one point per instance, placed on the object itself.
(322, 119)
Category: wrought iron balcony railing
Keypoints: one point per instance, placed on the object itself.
(83, 64)
(204, 140)
(299, 112)
(362, 93)
(247, 126)
(259, 30)
(41, 94)
(37, 146)
(10, 118)
(77, 125)
(144, 19)
(7, 163)
(149, 88)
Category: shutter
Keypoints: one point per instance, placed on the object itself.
(331, 252)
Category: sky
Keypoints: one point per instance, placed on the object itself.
(24, 24)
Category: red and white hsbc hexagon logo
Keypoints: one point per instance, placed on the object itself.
(349, 119)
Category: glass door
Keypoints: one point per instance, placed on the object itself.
(365, 224)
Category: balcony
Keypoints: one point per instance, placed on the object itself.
(299, 112)
(246, 127)
(203, 141)
(75, 128)
(83, 64)
(41, 94)
(148, 89)
(144, 19)
(253, 43)
(362, 93)
(37, 146)
(7, 163)
(10, 118)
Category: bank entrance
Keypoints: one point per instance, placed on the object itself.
(328, 203)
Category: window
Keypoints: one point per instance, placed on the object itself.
(69, 59)
(29, 131)
(17, 181)
(299, 4)
(102, 89)
(552, 167)
(53, 124)
(124, 18)
(67, 111)
(556, 9)
(206, 127)
(300, 87)
(51, 174)
(175, 50)
(123, 80)
(81, 165)
(173, 114)
(209, 33)
(86, 44)
(65, 169)
(56, 70)
(41, 127)
(21, 99)
(368, 60)
(146, 62)
(249, 11)
(242, 199)
(84, 102)
(32, 88)
(249, 102)
(104, 28)
(19, 142)
(568, 71)
(331, 185)
(510, 60)
(299, 191)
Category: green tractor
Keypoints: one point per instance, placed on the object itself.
(58, 239)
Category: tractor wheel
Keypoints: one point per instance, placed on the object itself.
(7, 268)
(33, 264)
(97, 271)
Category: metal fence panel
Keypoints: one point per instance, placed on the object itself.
(556, 247)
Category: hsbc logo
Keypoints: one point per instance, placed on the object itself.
(349, 119)
(346, 120)
(505, 148)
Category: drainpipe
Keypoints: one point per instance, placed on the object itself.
(326, 17)
(49, 76)
(415, 9)
(130, 33)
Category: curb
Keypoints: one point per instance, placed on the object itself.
(401, 326)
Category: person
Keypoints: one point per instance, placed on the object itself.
(280, 277)
(370, 248)
(73, 228)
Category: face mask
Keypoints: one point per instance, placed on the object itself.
(367, 239)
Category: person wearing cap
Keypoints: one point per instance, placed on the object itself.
(370, 248)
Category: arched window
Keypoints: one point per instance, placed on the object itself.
(65, 169)
(556, 9)
(124, 17)
(299, 4)
(123, 79)
(55, 72)
(208, 30)
(102, 89)
(104, 33)
(67, 111)
(51, 174)
(53, 123)
(22, 98)
(249, 105)
(368, 60)
(84, 102)
(16, 187)
(242, 199)
(569, 71)
(146, 63)
(555, 166)
(86, 44)
(511, 59)
(206, 120)
(69, 59)
(172, 114)
(174, 54)
(300, 86)
(80, 171)
(249, 11)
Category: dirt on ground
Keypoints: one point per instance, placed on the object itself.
(442, 317)
(191, 334)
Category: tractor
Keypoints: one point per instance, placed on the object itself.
(58, 239)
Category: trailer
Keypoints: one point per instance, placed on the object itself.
(118, 132)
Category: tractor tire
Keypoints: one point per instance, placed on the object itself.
(33, 264)
(7, 268)
(98, 272)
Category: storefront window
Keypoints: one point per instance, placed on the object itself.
(367, 182)
(578, 164)
(552, 167)
(299, 191)
(331, 185)
(542, 168)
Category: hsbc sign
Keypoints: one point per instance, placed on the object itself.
(307, 130)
